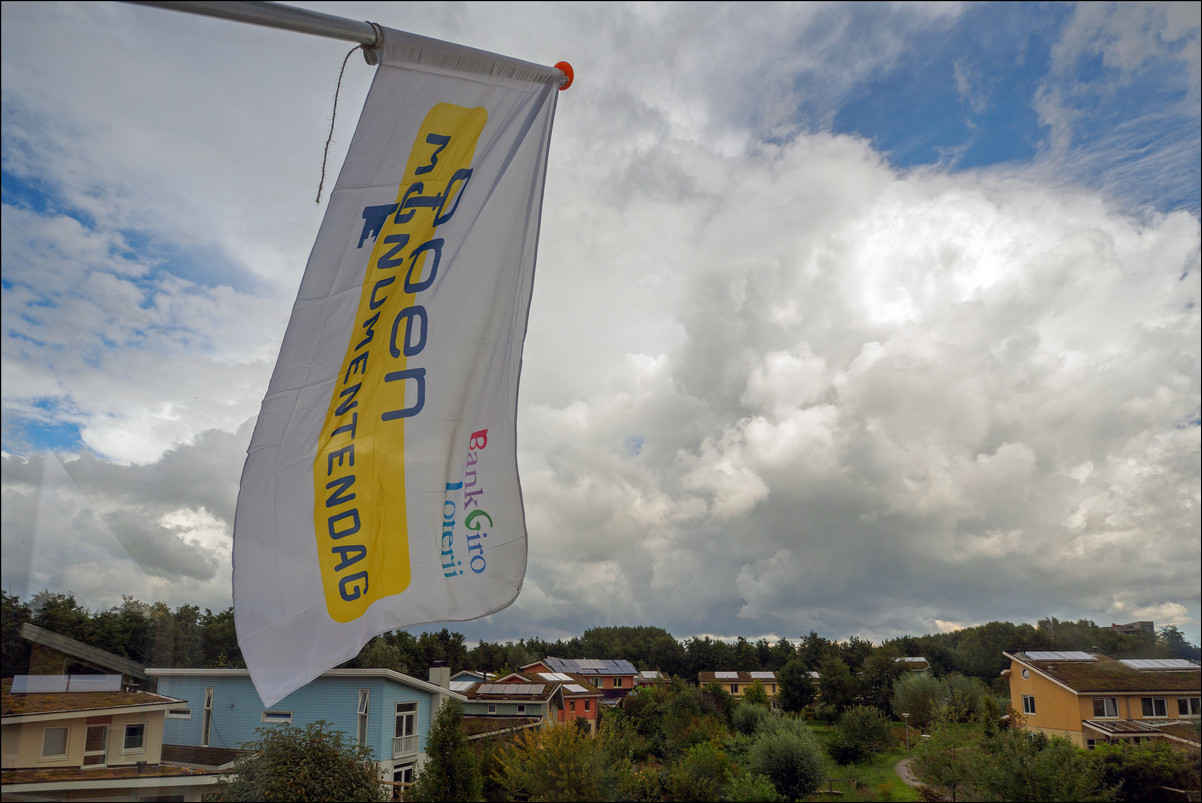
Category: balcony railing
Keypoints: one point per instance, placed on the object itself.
(404, 746)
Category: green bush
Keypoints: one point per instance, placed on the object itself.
(862, 732)
(789, 756)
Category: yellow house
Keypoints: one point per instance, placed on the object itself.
(1089, 698)
(72, 737)
(738, 682)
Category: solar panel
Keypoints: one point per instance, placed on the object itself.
(574, 689)
(1071, 655)
(763, 675)
(39, 684)
(1159, 663)
(462, 685)
(726, 675)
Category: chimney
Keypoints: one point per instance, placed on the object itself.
(440, 674)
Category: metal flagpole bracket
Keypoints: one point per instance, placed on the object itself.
(371, 53)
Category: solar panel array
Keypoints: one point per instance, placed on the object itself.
(1071, 655)
(510, 689)
(591, 666)
(43, 684)
(574, 689)
(462, 685)
(1159, 663)
(726, 675)
(555, 676)
(763, 675)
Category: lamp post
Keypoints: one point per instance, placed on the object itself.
(906, 717)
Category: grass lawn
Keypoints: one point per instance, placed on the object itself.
(875, 779)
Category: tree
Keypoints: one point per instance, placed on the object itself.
(1141, 771)
(789, 756)
(920, 695)
(756, 694)
(862, 732)
(796, 688)
(1021, 766)
(836, 684)
(15, 650)
(942, 761)
(451, 771)
(557, 763)
(302, 764)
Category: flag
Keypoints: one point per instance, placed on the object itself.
(380, 489)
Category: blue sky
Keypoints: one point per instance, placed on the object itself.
(947, 372)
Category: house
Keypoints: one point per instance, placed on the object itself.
(74, 737)
(1089, 698)
(510, 703)
(914, 663)
(614, 678)
(385, 710)
(649, 678)
(1134, 627)
(738, 682)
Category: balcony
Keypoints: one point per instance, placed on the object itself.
(404, 746)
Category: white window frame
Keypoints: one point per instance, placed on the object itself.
(521, 709)
(618, 683)
(1189, 706)
(586, 705)
(66, 742)
(1029, 704)
(1110, 707)
(179, 713)
(130, 727)
(492, 708)
(206, 723)
(276, 717)
(405, 736)
(1148, 707)
(361, 731)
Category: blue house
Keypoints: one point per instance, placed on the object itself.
(389, 712)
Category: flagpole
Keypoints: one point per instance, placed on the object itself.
(288, 18)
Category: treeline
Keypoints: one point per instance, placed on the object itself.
(157, 636)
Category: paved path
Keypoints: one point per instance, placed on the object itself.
(902, 768)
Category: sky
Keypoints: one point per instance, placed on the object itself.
(863, 319)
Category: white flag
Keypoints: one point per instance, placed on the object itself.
(380, 489)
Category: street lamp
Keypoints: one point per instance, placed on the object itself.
(906, 717)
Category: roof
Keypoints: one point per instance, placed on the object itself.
(479, 727)
(914, 662)
(589, 666)
(386, 674)
(50, 703)
(1090, 672)
(84, 652)
(517, 685)
(737, 677)
(96, 777)
(199, 757)
(1114, 726)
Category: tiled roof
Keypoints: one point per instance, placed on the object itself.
(1105, 674)
(64, 702)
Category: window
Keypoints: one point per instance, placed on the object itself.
(1026, 674)
(135, 738)
(492, 708)
(521, 709)
(207, 720)
(1105, 706)
(573, 706)
(95, 746)
(401, 775)
(618, 683)
(54, 742)
(1187, 706)
(1154, 707)
(278, 717)
(586, 704)
(1029, 704)
(361, 734)
(404, 740)
(734, 688)
(179, 713)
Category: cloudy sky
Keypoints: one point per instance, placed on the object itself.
(869, 319)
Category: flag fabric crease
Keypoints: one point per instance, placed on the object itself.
(380, 489)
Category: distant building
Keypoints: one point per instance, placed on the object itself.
(614, 678)
(1089, 698)
(1134, 627)
(915, 663)
(737, 683)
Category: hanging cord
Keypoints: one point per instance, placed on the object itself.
(326, 153)
(371, 57)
